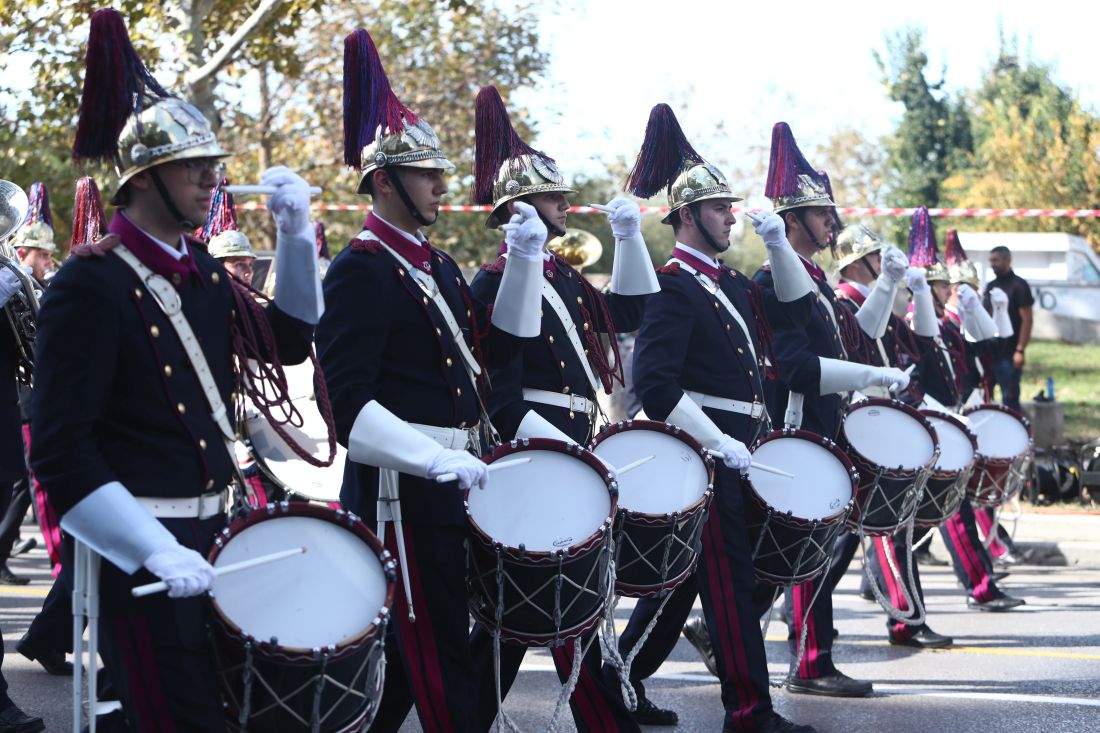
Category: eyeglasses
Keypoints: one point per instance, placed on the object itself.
(201, 170)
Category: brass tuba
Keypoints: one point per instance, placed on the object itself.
(577, 247)
(21, 311)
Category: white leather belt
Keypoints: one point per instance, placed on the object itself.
(754, 410)
(195, 507)
(572, 402)
(452, 438)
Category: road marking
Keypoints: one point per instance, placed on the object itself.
(989, 650)
(33, 592)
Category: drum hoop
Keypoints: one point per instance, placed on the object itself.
(1002, 408)
(896, 472)
(983, 459)
(544, 557)
(651, 519)
(829, 445)
(269, 473)
(339, 517)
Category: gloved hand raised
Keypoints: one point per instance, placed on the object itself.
(10, 284)
(894, 264)
(735, 454)
(625, 219)
(893, 379)
(914, 280)
(290, 203)
(185, 571)
(770, 227)
(471, 471)
(968, 299)
(525, 233)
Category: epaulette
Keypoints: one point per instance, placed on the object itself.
(370, 246)
(198, 242)
(670, 269)
(496, 267)
(98, 248)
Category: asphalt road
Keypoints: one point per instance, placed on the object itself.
(1035, 669)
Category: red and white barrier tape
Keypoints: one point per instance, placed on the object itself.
(843, 211)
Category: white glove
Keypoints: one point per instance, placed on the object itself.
(968, 299)
(894, 264)
(770, 227)
(914, 280)
(892, 379)
(10, 284)
(626, 219)
(838, 376)
(735, 454)
(525, 233)
(998, 298)
(290, 203)
(471, 471)
(185, 571)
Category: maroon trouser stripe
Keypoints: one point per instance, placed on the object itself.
(803, 602)
(146, 690)
(418, 643)
(972, 565)
(984, 516)
(728, 631)
(884, 548)
(590, 707)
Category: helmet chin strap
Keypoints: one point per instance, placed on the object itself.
(707, 236)
(407, 200)
(870, 268)
(183, 221)
(799, 214)
(555, 230)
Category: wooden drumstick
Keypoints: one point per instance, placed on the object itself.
(445, 477)
(263, 190)
(757, 466)
(161, 586)
(601, 207)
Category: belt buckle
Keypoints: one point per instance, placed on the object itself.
(757, 410)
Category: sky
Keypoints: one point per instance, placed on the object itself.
(746, 66)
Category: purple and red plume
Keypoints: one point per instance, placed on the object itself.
(923, 251)
(953, 250)
(322, 240)
(38, 210)
(116, 85)
(222, 214)
(665, 152)
(786, 164)
(89, 219)
(371, 109)
(495, 141)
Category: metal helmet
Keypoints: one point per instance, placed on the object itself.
(667, 160)
(230, 243)
(792, 182)
(923, 251)
(959, 267)
(221, 230)
(126, 117)
(505, 167)
(37, 231)
(380, 131)
(854, 243)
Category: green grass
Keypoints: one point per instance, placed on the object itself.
(1076, 372)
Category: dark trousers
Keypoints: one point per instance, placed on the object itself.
(428, 662)
(596, 706)
(52, 627)
(728, 592)
(13, 516)
(5, 701)
(969, 559)
(1008, 379)
(157, 649)
(881, 552)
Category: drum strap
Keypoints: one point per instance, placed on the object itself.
(882, 352)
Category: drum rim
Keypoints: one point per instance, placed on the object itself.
(954, 420)
(1012, 413)
(834, 449)
(520, 445)
(891, 471)
(339, 517)
(675, 431)
(261, 464)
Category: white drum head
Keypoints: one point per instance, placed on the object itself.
(821, 487)
(956, 451)
(671, 482)
(553, 502)
(1000, 435)
(888, 438)
(296, 475)
(329, 595)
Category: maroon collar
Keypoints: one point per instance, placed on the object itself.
(151, 254)
(852, 292)
(699, 265)
(548, 268)
(811, 267)
(419, 256)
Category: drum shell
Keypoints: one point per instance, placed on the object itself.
(944, 490)
(996, 481)
(359, 660)
(640, 533)
(886, 498)
(531, 589)
(787, 548)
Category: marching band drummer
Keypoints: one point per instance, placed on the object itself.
(699, 362)
(813, 363)
(943, 374)
(139, 423)
(224, 239)
(870, 272)
(400, 348)
(547, 386)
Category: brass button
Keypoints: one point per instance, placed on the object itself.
(439, 332)
(565, 390)
(137, 293)
(551, 338)
(468, 314)
(401, 271)
(155, 331)
(541, 314)
(462, 425)
(215, 278)
(728, 328)
(580, 299)
(425, 299)
(750, 372)
(176, 279)
(755, 397)
(739, 349)
(458, 391)
(450, 361)
(202, 443)
(458, 281)
(586, 325)
(716, 305)
(571, 415)
(181, 407)
(210, 484)
(562, 364)
(233, 312)
(167, 370)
